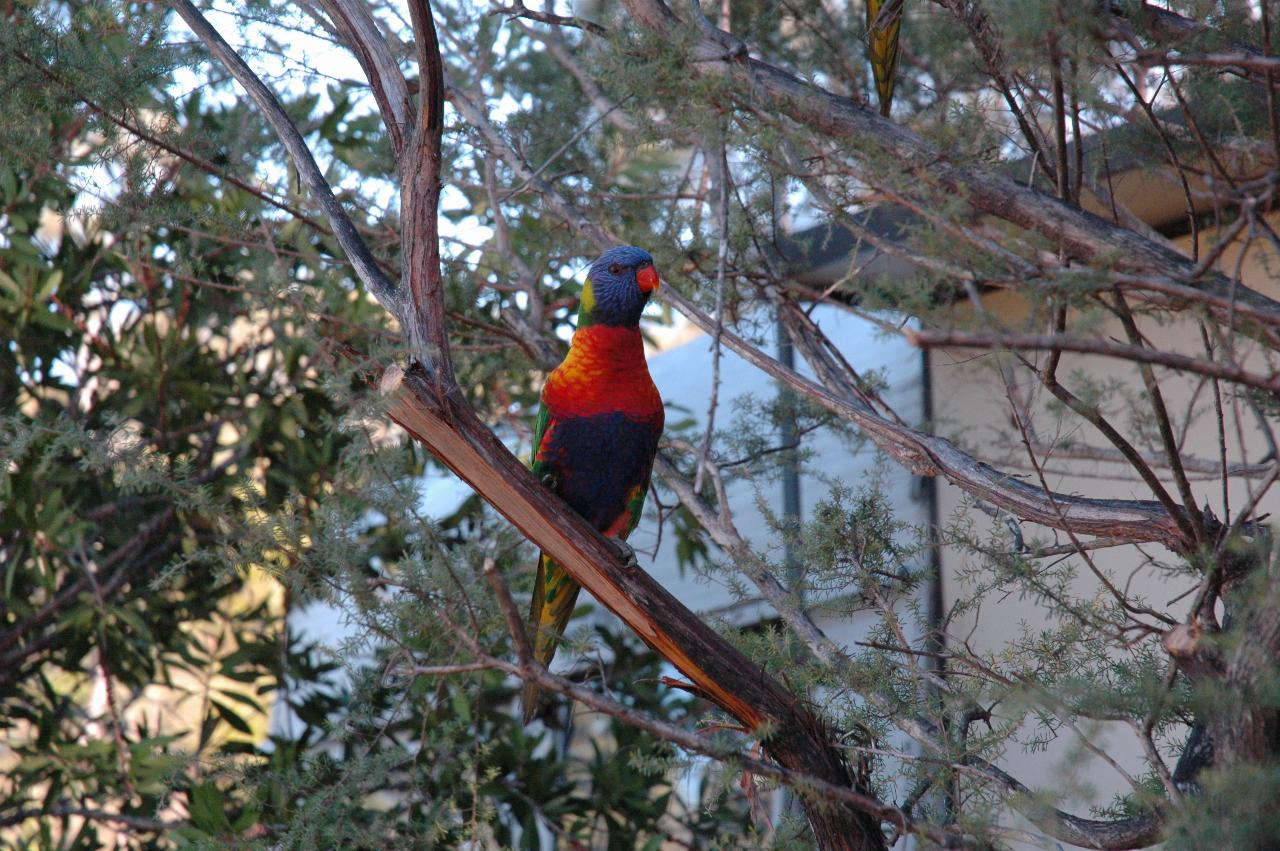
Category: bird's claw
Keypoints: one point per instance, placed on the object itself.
(625, 552)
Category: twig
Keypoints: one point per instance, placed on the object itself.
(1075, 542)
(524, 651)
(519, 10)
(183, 154)
(1163, 424)
(65, 810)
(577, 134)
(722, 257)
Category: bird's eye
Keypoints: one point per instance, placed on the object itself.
(615, 269)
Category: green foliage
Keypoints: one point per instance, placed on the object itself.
(1236, 811)
(190, 454)
(159, 404)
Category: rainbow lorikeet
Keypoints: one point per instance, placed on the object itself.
(596, 435)
(884, 20)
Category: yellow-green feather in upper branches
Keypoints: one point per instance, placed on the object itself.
(884, 20)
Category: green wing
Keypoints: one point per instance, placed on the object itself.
(635, 505)
(554, 590)
(539, 429)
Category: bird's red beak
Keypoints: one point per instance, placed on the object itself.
(647, 278)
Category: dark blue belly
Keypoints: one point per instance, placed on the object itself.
(595, 462)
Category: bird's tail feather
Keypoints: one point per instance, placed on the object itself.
(554, 594)
(884, 22)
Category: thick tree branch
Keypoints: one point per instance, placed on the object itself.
(529, 669)
(419, 200)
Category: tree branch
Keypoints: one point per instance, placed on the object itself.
(124, 556)
(66, 810)
(185, 155)
(929, 455)
(695, 743)
(1133, 832)
(519, 10)
(359, 31)
(928, 339)
(419, 200)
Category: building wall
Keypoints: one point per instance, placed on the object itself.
(971, 405)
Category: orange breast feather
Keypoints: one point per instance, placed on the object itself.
(604, 373)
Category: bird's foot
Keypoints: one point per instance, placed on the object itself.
(625, 552)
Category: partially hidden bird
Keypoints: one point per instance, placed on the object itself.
(884, 22)
(597, 431)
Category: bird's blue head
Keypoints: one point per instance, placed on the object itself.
(619, 285)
